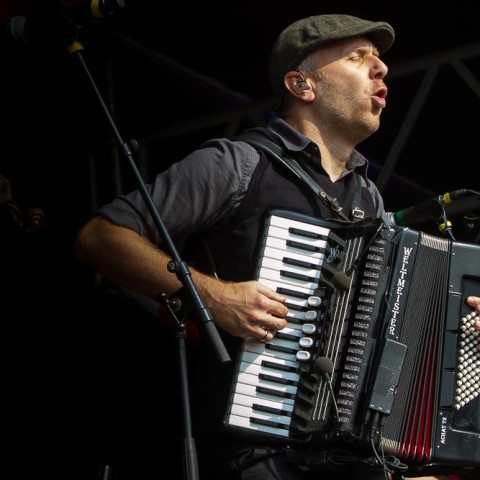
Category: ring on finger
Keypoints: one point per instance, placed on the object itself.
(264, 339)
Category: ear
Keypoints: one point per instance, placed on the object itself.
(298, 85)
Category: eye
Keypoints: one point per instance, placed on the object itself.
(356, 57)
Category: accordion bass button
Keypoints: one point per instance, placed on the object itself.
(314, 301)
(309, 328)
(303, 356)
(311, 315)
(306, 342)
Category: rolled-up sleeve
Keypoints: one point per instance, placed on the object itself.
(192, 194)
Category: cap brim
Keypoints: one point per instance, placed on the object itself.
(382, 37)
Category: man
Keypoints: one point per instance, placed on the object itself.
(328, 80)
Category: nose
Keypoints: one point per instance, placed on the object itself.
(379, 69)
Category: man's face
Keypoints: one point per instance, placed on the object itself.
(350, 92)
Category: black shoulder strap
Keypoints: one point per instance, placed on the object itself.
(260, 141)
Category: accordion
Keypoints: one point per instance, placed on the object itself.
(379, 350)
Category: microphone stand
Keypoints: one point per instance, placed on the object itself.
(444, 225)
(181, 269)
(469, 199)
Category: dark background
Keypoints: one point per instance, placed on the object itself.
(91, 376)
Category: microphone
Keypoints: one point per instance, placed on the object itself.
(342, 280)
(92, 8)
(323, 366)
(68, 13)
(427, 210)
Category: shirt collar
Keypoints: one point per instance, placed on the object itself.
(296, 142)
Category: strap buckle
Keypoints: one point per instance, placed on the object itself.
(357, 213)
